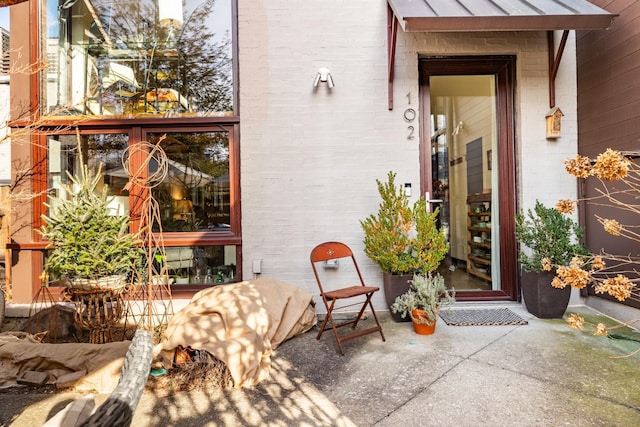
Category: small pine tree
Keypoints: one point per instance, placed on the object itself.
(85, 238)
(400, 239)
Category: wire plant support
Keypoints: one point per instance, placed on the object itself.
(149, 302)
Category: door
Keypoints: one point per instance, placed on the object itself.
(468, 170)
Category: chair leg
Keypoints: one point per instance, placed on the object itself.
(361, 312)
(324, 324)
(334, 327)
(375, 317)
(327, 317)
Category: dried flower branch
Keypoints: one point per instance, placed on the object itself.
(608, 273)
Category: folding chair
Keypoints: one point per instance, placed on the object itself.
(333, 251)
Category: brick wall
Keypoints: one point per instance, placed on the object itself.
(310, 158)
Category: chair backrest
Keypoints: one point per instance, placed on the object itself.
(332, 250)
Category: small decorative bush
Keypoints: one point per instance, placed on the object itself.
(552, 237)
(402, 240)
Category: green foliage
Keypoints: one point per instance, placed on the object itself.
(428, 293)
(550, 235)
(86, 240)
(402, 240)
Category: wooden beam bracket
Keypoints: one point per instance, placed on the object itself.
(392, 32)
(554, 63)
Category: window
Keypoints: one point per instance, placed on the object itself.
(197, 191)
(194, 194)
(154, 71)
(137, 57)
(102, 150)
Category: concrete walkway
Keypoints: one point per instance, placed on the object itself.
(539, 374)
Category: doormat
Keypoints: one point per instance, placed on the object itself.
(481, 317)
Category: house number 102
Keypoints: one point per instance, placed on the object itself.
(409, 117)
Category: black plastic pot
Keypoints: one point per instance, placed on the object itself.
(541, 299)
(394, 286)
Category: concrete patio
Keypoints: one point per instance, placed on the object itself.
(539, 374)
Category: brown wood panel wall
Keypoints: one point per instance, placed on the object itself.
(608, 64)
(609, 81)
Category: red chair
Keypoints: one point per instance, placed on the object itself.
(333, 299)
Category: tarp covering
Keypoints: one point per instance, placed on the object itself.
(241, 324)
(92, 367)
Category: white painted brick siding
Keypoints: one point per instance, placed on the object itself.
(309, 159)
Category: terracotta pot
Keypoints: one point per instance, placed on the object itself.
(541, 299)
(421, 328)
(394, 286)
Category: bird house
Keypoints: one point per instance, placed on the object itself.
(554, 123)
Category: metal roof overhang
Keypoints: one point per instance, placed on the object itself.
(494, 15)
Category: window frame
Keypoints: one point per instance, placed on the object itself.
(135, 127)
(137, 132)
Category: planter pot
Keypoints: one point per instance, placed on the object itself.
(541, 299)
(115, 282)
(99, 309)
(394, 286)
(421, 328)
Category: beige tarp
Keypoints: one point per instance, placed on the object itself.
(86, 366)
(241, 324)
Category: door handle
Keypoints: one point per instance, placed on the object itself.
(429, 200)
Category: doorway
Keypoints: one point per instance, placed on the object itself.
(468, 170)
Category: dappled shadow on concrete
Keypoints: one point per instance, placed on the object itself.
(542, 373)
(285, 399)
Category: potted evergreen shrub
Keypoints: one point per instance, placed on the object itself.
(402, 240)
(553, 240)
(90, 247)
(422, 302)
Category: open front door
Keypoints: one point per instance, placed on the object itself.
(468, 168)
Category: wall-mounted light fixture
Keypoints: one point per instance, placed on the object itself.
(324, 75)
(331, 264)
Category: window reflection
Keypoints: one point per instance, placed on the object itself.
(100, 149)
(195, 194)
(130, 58)
(198, 265)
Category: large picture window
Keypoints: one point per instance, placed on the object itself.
(154, 71)
(137, 57)
(197, 196)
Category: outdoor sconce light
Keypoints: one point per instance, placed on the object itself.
(331, 264)
(554, 123)
(324, 75)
